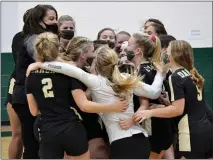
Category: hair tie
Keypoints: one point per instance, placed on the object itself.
(62, 49)
(114, 65)
(153, 38)
(192, 70)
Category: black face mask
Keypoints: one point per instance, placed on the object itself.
(67, 34)
(118, 49)
(89, 60)
(126, 68)
(130, 55)
(51, 28)
(98, 43)
(165, 58)
(111, 44)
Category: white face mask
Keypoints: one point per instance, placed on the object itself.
(124, 45)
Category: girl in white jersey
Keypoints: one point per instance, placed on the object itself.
(107, 86)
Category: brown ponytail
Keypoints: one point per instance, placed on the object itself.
(197, 78)
(182, 53)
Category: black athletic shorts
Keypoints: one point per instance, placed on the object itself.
(174, 141)
(162, 134)
(8, 99)
(201, 146)
(73, 141)
(36, 128)
(135, 147)
(92, 126)
(104, 133)
(10, 91)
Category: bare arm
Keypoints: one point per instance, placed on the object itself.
(174, 110)
(88, 94)
(32, 105)
(176, 84)
(93, 107)
(144, 103)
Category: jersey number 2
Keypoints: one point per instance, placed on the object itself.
(47, 87)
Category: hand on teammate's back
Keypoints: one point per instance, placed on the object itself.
(164, 99)
(120, 105)
(33, 67)
(141, 115)
(126, 123)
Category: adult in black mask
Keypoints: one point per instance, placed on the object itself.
(15, 149)
(42, 18)
(66, 26)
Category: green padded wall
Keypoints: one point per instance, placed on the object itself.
(7, 65)
(203, 62)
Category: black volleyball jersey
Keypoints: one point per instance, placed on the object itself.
(52, 92)
(17, 45)
(16, 48)
(147, 70)
(24, 59)
(194, 118)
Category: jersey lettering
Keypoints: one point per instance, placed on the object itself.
(183, 73)
(148, 68)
